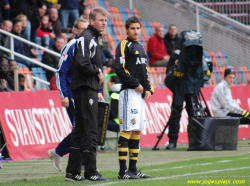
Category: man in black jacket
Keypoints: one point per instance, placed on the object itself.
(171, 39)
(87, 79)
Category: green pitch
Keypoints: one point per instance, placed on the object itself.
(168, 168)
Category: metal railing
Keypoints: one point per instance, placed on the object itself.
(13, 53)
(223, 19)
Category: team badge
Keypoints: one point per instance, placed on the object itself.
(136, 52)
(133, 121)
(91, 101)
(120, 121)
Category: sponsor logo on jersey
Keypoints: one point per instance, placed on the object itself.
(134, 111)
(141, 60)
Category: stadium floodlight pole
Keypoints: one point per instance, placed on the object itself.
(197, 19)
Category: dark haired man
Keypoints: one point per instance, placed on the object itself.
(222, 103)
(4, 72)
(87, 79)
(171, 39)
(131, 68)
(21, 47)
(52, 60)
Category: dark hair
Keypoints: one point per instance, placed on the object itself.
(115, 79)
(20, 76)
(78, 21)
(132, 20)
(16, 20)
(228, 71)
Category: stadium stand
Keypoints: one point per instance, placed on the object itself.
(237, 10)
(116, 32)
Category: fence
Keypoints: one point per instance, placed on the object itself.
(13, 53)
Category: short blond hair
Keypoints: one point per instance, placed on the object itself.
(21, 16)
(80, 20)
(100, 10)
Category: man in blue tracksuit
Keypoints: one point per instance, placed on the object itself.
(63, 81)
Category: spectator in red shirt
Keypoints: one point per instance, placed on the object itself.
(157, 50)
(45, 32)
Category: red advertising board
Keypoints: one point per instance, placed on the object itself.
(159, 107)
(32, 123)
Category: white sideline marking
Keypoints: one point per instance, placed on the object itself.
(157, 169)
(223, 161)
(204, 164)
(174, 176)
(179, 167)
(244, 158)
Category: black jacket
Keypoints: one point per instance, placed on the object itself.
(171, 44)
(28, 8)
(87, 60)
(131, 65)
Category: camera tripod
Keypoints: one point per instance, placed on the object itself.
(199, 109)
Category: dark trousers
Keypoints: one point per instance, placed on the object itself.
(242, 120)
(113, 126)
(83, 142)
(63, 147)
(174, 120)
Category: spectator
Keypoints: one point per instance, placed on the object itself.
(56, 24)
(42, 11)
(85, 14)
(30, 9)
(114, 85)
(52, 60)
(69, 9)
(21, 82)
(52, 4)
(82, 6)
(171, 39)
(4, 39)
(157, 50)
(10, 78)
(4, 10)
(222, 102)
(24, 20)
(21, 47)
(4, 72)
(45, 32)
(7, 25)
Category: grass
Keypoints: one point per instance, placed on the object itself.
(168, 168)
